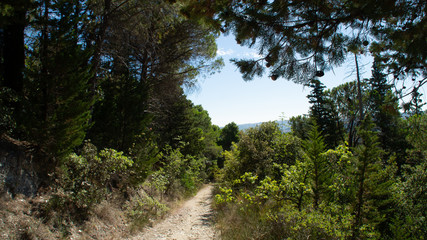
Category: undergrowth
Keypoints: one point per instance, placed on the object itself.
(97, 195)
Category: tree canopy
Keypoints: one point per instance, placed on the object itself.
(299, 40)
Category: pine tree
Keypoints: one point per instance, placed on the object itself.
(121, 114)
(300, 126)
(322, 111)
(373, 183)
(384, 109)
(300, 40)
(13, 21)
(58, 107)
(314, 147)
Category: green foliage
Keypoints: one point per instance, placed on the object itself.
(373, 186)
(417, 137)
(384, 109)
(314, 146)
(232, 166)
(269, 209)
(331, 194)
(410, 192)
(142, 208)
(229, 134)
(299, 41)
(182, 122)
(7, 120)
(182, 174)
(341, 164)
(322, 111)
(120, 115)
(57, 103)
(61, 118)
(255, 147)
(145, 153)
(85, 179)
(347, 103)
(287, 148)
(300, 126)
(410, 222)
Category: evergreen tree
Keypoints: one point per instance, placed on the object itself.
(318, 166)
(229, 134)
(300, 126)
(373, 204)
(383, 107)
(120, 115)
(58, 106)
(411, 192)
(322, 111)
(299, 40)
(346, 100)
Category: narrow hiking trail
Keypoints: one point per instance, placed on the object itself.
(193, 220)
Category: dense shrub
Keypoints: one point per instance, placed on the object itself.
(321, 193)
(143, 208)
(182, 174)
(84, 180)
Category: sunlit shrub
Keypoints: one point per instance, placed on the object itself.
(142, 208)
(183, 174)
(84, 179)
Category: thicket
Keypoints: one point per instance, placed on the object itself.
(277, 185)
(98, 88)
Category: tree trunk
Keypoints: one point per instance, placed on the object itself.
(14, 51)
(359, 88)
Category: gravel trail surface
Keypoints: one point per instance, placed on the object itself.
(193, 220)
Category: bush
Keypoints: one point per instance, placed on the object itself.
(184, 174)
(265, 211)
(142, 208)
(84, 180)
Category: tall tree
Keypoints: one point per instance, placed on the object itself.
(318, 168)
(300, 126)
(121, 114)
(373, 183)
(56, 87)
(149, 52)
(345, 98)
(13, 21)
(384, 109)
(323, 113)
(229, 134)
(298, 40)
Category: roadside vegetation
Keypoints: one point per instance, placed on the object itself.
(95, 90)
(312, 184)
(98, 138)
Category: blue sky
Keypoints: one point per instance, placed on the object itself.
(228, 98)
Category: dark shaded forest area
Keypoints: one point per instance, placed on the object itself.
(92, 93)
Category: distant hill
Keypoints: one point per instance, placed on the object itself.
(283, 124)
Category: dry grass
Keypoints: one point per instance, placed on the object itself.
(20, 219)
(17, 220)
(107, 221)
(27, 218)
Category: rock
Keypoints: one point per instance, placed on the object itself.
(17, 169)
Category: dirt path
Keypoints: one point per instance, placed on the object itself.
(193, 220)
